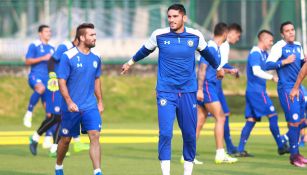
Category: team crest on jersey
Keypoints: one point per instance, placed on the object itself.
(295, 116)
(65, 131)
(95, 64)
(272, 108)
(38, 81)
(190, 43)
(163, 102)
(57, 109)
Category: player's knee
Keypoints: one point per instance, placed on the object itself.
(40, 88)
(165, 136)
(189, 137)
(65, 140)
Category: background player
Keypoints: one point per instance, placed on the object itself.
(287, 57)
(79, 72)
(258, 103)
(176, 82)
(39, 52)
(207, 95)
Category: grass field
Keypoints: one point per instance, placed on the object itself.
(130, 107)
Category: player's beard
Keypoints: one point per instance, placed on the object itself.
(90, 44)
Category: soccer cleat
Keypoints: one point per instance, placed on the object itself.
(243, 154)
(283, 150)
(225, 159)
(99, 173)
(78, 147)
(302, 158)
(295, 160)
(59, 172)
(27, 120)
(197, 162)
(47, 142)
(33, 146)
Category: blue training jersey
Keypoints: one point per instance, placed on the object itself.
(287, 74)
(210, 71)
(38, 49)
(66, 45)
(176, 61)
(80, 72)
(256, 57)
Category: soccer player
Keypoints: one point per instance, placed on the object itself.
(176, 83)
(39, 52)
(233, 36)
(258, 103)
(287, 57)
(79, 72)
(207, 94)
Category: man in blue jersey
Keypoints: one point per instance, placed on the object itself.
(79, 72)
(176, 82)
(258, 103)
(39, 52)
(207, 94)
(287, 57)
(233, 36)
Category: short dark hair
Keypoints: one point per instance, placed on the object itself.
(81, 29)
(264, 31)
(179, 7)
(235, 26)
(41, 27)
(281, 29)
(220, 29)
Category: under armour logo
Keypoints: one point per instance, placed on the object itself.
(167, 42)
(79, 64)
(288, 51)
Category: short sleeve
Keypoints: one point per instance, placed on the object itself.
(64, 67)
(255, 59)
(31, 53)
(59, 52)
(98, 71)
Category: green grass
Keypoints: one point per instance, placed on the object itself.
(130, 104)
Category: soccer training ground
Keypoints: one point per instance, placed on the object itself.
(130, 135)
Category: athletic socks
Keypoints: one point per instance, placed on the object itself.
(293, 135)
(33, 100)
(98, 170)
(35, 137)
(275, 130)
(166, 167)
(229, 145)
(245, 134)
(188, 168)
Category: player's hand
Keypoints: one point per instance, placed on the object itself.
(290, 59)
(294, 93)
(125, 68)
(200, 95)
(100, 107)
(72, 107)
(46, 57)
(275, 79)
(220, 74)
(53, 82)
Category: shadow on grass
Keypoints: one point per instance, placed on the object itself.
(18, 173)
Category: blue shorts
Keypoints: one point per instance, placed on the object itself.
(71, 121)
(34, 79)
(53, 102)
(222, 97)
(294, 111)
(210, 94)
(258, 104)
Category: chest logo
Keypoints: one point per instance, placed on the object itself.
(190, 43)
(167, 42)
(95, 64)
(79, 65)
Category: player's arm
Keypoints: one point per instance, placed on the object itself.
(143, 52)
(212, 58)
(295, 90)
(273, 61)
(98, 92)
(63, 75)
(201, 78)
(30, 60)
